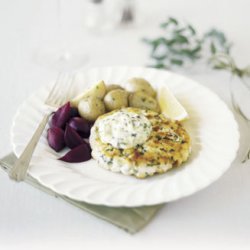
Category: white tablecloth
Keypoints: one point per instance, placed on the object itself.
(215, 218)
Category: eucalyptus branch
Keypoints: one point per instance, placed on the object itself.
(226, 62)
(180, 44)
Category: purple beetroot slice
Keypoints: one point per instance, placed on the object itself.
(72, 138)
(81, 125)
(61, 116)
(79, 154)
(74, 112)
(55, 137)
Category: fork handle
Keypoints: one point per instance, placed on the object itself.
(20, 168)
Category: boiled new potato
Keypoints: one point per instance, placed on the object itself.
(112, 87)
(139, 84)
(143, 101)
(116, 99)
(91, 108)
(98, 90)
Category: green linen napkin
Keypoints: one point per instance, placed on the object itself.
(130, 219)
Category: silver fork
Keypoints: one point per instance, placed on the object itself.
(58, 95)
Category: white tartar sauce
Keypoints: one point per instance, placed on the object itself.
(124, 129)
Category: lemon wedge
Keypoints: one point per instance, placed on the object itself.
(170, 106)
(98, 90)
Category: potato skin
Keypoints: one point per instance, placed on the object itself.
(116, 99)
(137, 84)
(143, 101)
(91, 108)
(99, 90)
(111, 87)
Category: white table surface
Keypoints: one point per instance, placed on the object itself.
(215, 218)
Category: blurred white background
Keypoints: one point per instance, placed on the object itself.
(215, 218)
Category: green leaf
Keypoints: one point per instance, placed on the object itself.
(178, 62)
(216, 34)
(158, 66)
(171, 42)
(187, 52)
(191, 28)
(179, 31)
(228, 48)
(197, 49)
(170, 20)
(181, 39)
(219, 38)
(154, 43)
(173, 20)
(164, 25)
(159, 57)
(212, 48)
(148, 41)
(218, 67)
(158, 42)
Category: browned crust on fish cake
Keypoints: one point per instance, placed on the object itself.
(168, 144)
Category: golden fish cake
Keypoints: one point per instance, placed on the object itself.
(138, 142)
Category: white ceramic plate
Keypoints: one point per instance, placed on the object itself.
(213, 130)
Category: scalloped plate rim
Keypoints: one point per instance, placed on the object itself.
(146, 201)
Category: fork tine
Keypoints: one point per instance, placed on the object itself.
(70, 88)
(59, 93)
(67, 89)
(53, 89)
(59, 97)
